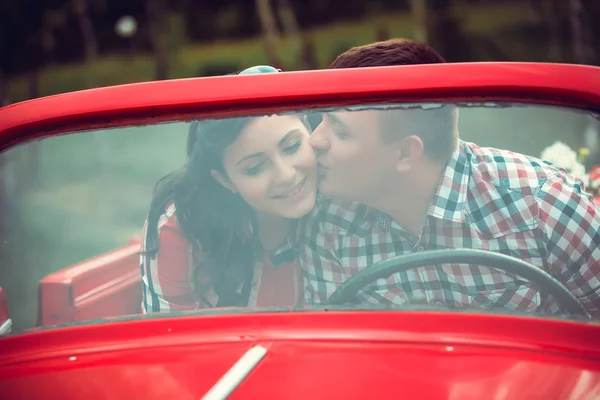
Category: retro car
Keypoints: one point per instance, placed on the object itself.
(99, 153)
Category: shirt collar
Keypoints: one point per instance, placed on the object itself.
(451, 196)
(287, 252)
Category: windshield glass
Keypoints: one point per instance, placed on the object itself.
(278, 211)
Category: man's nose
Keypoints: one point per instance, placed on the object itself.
(317, 139)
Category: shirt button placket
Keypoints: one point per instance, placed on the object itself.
(420, 248)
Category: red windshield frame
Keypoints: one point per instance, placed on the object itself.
(183, 99)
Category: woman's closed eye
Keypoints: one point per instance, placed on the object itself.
(289, 149)
(254, 170)
(292, 148)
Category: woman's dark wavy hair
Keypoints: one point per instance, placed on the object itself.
(221, 226)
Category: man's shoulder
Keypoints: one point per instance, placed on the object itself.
(505, 169)
(341, 216)
(516, 185)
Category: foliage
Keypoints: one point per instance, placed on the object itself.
(489, 21)
(217, 68)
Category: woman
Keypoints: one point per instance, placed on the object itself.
(221, 231)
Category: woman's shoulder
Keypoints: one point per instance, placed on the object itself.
(168, 217)
(166, 231)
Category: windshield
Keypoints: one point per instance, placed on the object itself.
(298, 210)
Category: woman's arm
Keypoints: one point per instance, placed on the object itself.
(167, 276)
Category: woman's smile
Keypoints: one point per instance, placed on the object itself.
(293, 193)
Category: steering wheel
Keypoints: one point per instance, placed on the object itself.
(349, 289)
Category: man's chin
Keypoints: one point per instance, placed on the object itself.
(328, 191)
(339, 192)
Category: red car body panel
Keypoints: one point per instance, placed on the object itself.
(3, 306)
(310, 355)
(324, 354)
(109, 285)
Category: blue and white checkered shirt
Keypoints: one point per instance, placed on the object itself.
(488, 199)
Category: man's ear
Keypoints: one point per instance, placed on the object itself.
(223, 181)
(409, 151)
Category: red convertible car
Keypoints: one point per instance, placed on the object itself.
(78, 330)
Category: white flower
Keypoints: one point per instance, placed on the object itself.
(578, 172)
(563, 156)
(560, 155)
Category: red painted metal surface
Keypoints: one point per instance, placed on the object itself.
(572, 85)
(3, 306)
(310, 355)
(109, 285)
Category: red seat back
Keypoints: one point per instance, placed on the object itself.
(109, 285)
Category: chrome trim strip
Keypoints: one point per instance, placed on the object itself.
(5, 328)
(236, 374)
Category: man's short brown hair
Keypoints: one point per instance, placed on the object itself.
(388, 53)
(437, 127)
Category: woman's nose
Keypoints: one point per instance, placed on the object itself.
(286, 173)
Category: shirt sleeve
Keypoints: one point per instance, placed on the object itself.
(322, 271)
(571, 225)
(167, 277)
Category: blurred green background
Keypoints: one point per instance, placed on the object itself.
(66, 45)
(72, 197)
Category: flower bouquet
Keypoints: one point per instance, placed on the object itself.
(594, 188)
(562, 156)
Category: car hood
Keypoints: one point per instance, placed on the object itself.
(309, 355)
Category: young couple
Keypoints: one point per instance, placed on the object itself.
(240, 224)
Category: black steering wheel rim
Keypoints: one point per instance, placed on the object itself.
(348, 290)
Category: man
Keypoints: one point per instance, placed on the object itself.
(406, 183)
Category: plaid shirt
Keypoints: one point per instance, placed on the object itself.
(487, 199)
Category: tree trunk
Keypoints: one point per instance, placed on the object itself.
(287, 16)
(554, 43)
(444, 32)
(156, 10)
(309, 53)
(382, 33)
(33, 83)
(583, 50)
(288, 20)
(90, 42)
(419, 15)
(269, 28)
(537, 9)
(87, 29)
(436, 18)
(4, 100)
